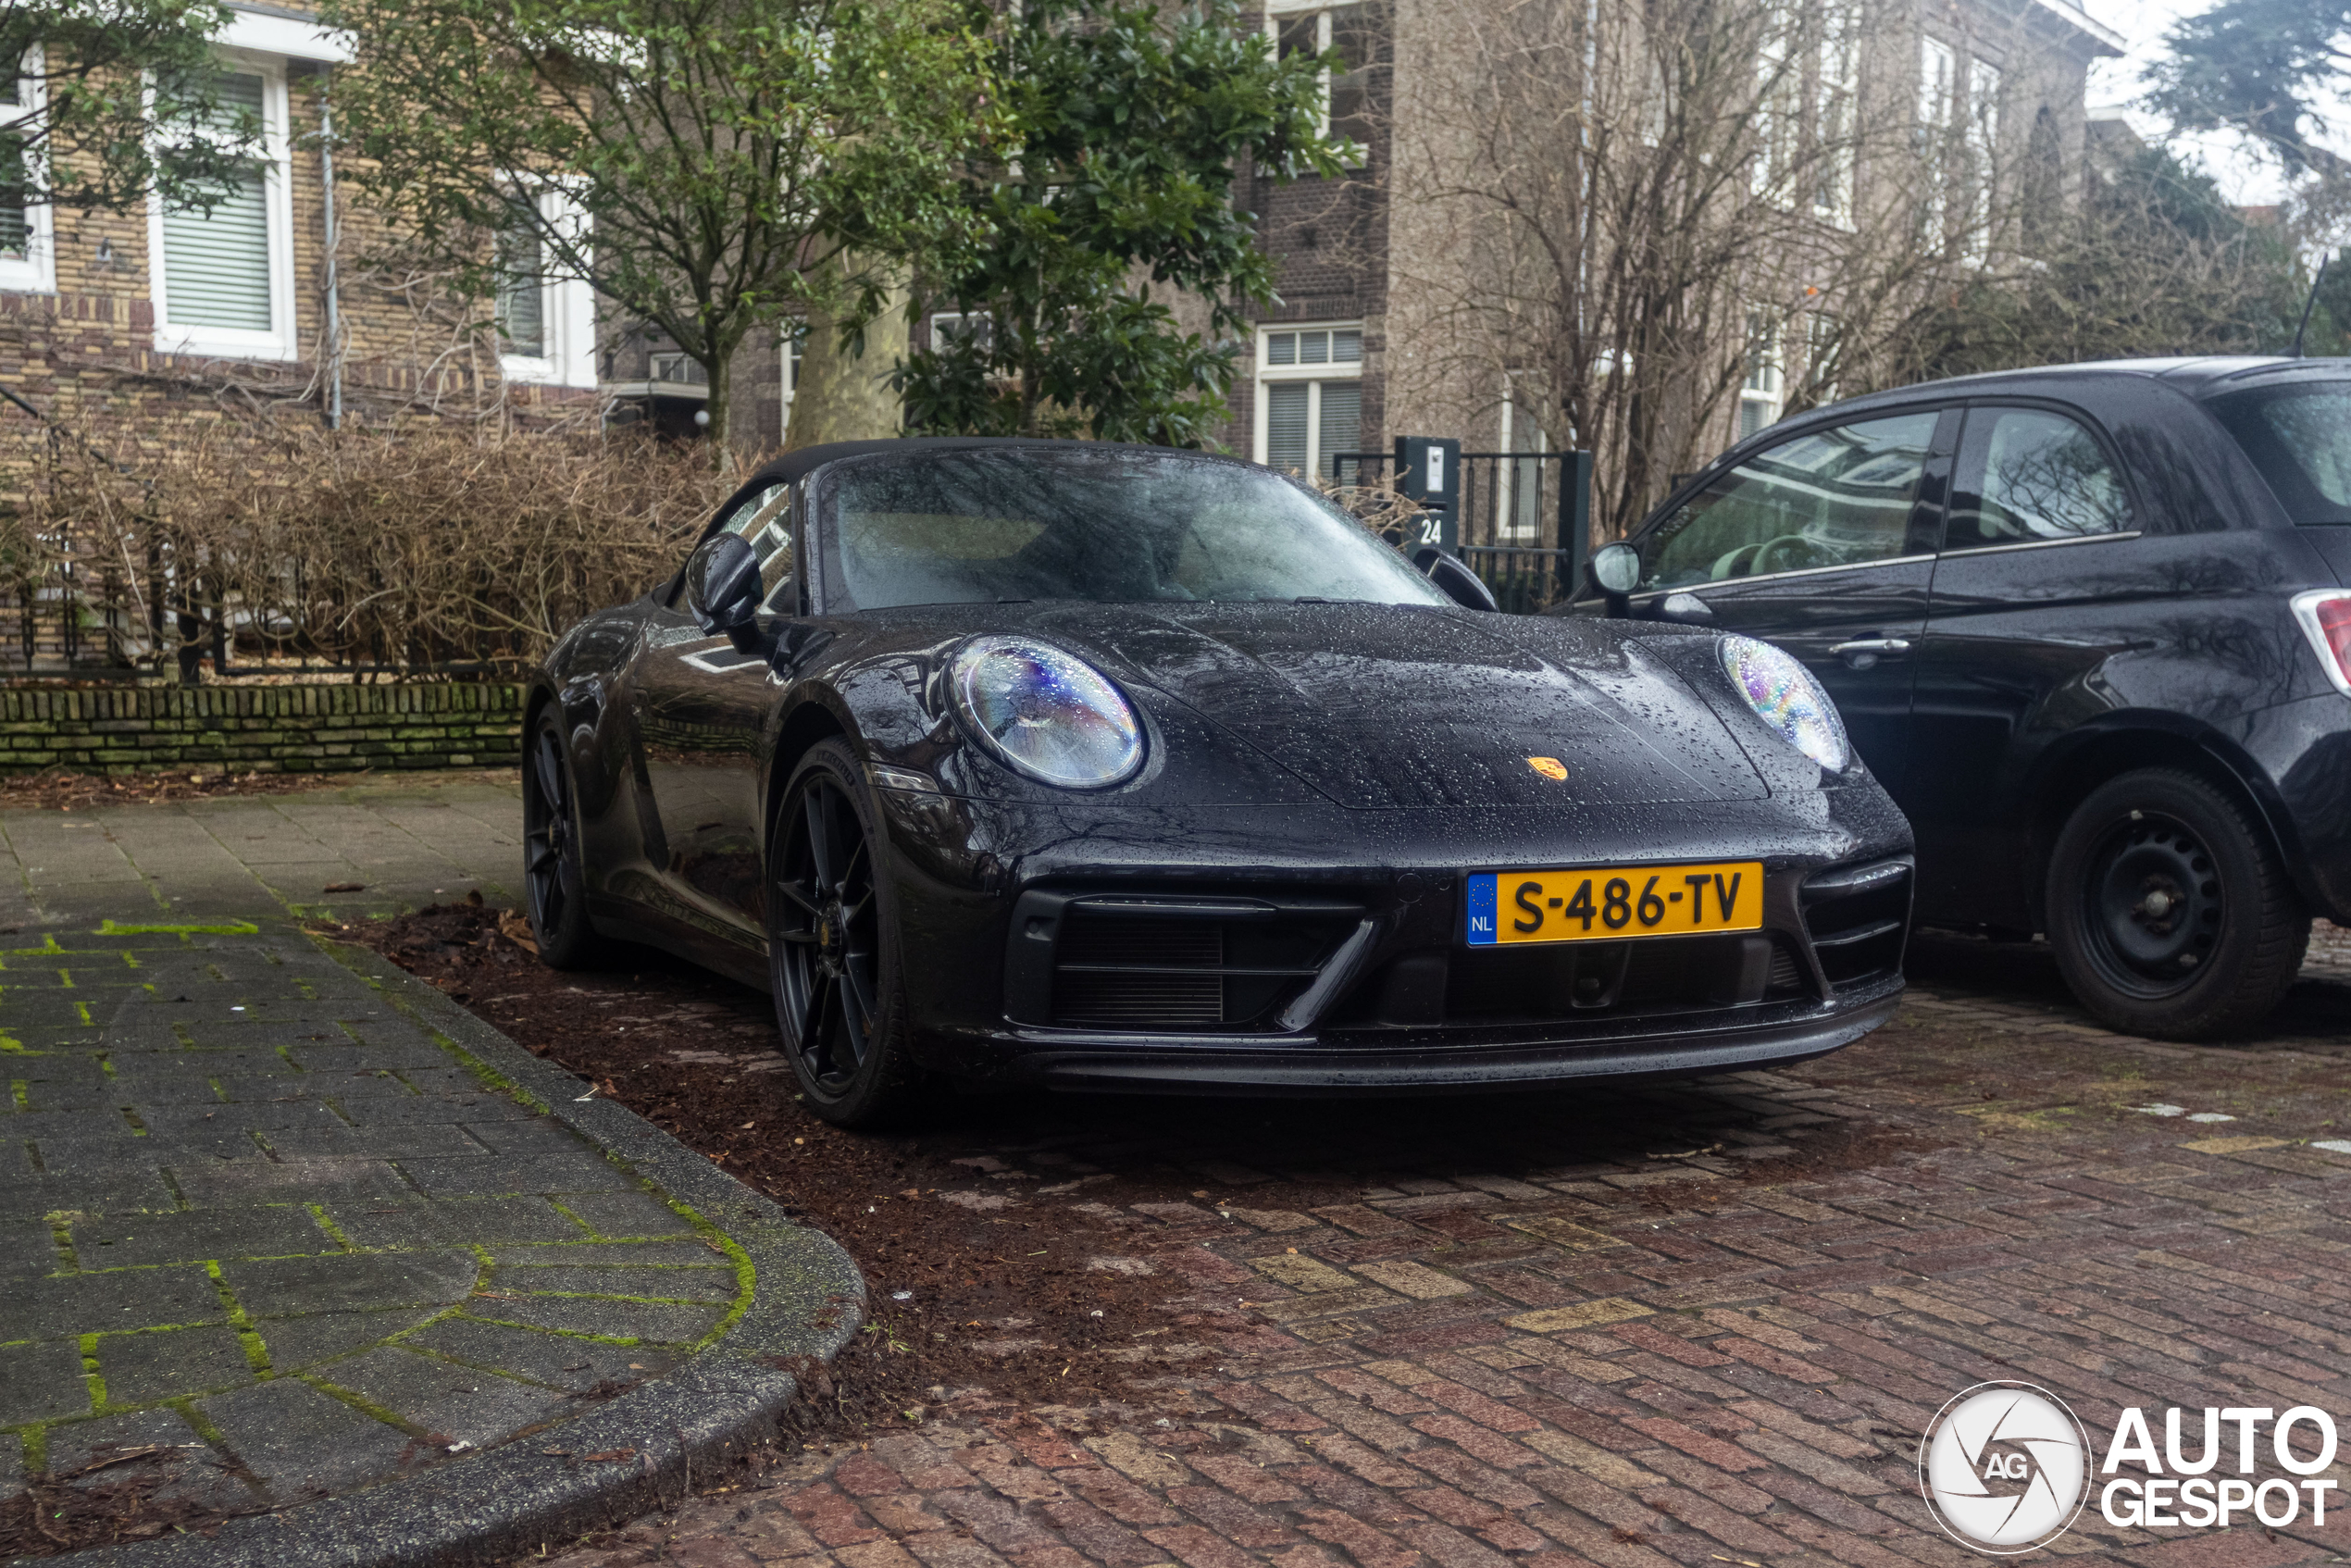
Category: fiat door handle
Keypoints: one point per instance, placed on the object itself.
(1863, 653)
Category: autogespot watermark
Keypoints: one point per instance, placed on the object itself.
(2006, 1467)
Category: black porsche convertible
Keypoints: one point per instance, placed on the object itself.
(1098, 767)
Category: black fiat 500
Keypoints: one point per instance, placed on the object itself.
(1084, 765)
(2090, 626)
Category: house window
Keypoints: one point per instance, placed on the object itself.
(950, 328)
(1310, 398)
(522, 293)
(27, 264)
(1982, 144)
(1824, 343)
(546, 316)
(1938, 86)
(223, 279)
(1311, 28)
(1837, 90)
(1762, 390)
(1521, 488)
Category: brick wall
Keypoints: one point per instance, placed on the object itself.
(259, 728)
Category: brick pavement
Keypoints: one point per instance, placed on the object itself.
(1711, 1334)
(264, 1223)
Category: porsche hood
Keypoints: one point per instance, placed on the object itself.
(1385, 707)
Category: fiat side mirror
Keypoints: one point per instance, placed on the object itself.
(1456, 581)
(1616, 571)
(722, 585)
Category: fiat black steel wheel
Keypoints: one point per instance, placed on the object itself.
(832, 946)
(555, 880)
(2169, 910)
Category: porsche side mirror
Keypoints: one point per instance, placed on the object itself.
(1616, 571)
(1456, 581)
(722, 584)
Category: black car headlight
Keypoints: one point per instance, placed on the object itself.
(1046, 713)
(1784, 695)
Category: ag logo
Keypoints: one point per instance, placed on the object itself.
(2005, 1467)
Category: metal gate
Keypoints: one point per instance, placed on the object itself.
(1523, 518)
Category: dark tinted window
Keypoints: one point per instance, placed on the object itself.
(1838, 497)
(2300, 439)
(765, 521)
(1109, 526)
(2028, 476)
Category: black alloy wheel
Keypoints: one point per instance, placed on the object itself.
(555, 875)
(2169, 912)
(832, 946)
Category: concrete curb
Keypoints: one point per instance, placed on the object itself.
(508, 1500)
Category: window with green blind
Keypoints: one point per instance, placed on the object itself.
(216, 265)
(522, 293)
(15, 228)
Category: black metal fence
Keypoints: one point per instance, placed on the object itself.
(1521, 518)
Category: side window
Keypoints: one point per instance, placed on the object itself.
(1838, 497)
(765, 521)
(2026, 475)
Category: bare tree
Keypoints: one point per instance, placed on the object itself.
(1658, 201)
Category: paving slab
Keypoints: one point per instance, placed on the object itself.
(336, 1245)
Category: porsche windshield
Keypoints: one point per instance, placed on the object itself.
(1117, 525)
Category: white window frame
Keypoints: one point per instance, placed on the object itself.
(1269, 373)
(277, 206)
(566, 308)
(36, 271)
(1764, 384)
(1278, 9)
(947, 324)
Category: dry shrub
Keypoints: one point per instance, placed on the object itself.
(1375, 502)
(401, 551)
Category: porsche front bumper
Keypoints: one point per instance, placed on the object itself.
(1247, 952)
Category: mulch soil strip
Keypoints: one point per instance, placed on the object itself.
(968, 1303)
(76, 792)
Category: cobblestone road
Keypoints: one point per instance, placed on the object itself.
(1687, 1325)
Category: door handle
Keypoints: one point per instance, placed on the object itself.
(1885, 647)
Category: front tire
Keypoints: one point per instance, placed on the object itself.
(2169, 912)
(555, 872)
(833, 951)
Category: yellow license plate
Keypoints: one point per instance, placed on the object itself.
(1609, 903)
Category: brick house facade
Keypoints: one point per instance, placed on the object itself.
(1348, 261)
(124, 326)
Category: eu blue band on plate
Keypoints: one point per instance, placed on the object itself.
(1480, 911)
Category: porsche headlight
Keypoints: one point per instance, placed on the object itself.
(1046, 713)
(1784, 695)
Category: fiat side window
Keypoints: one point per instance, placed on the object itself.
(2026, 476)
(1837, 497)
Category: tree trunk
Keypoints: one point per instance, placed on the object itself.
(720, 409)
(847, 396)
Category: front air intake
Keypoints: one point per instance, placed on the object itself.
(1858, 917)
(1168, 964)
